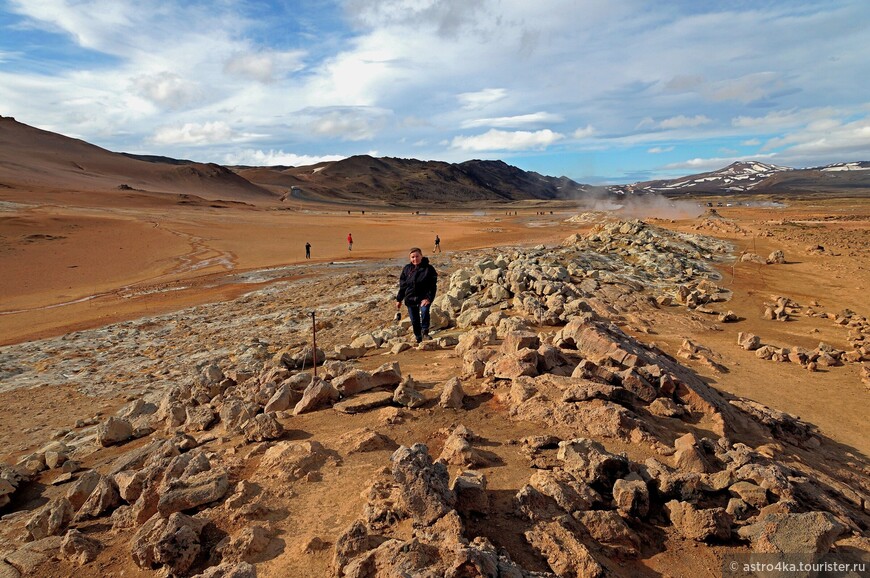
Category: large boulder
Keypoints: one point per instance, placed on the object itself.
(317, 395)
(699, 524)
(807, 533)
(114, 431)
(172, 542)
(424, 486)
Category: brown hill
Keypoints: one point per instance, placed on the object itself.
(30, 157)
(394, 181)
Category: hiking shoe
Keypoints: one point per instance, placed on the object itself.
(426, 335)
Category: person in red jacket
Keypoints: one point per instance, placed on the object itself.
(349, 242)
(417, 286)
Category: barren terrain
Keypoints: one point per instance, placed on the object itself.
(114, 298)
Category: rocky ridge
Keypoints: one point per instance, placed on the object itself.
(195, 470)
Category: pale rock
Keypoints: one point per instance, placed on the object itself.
(317, 395)
(50, 520)
(195, 490)
(423, 486)
(172, 542)
(610, 530)
(699, 524)
(452, 394)
(407, 395)
(114, 431)
(470, 490)
(262, 427)
(806, 533)
(79, 548)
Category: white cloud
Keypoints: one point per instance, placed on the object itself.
(345, 123)
(682, 121)
(659, 150)
(753, 142)
(481, 98)
(167, 90)
(263, 66)
(512, 121)
(252, 157)
(710, 164)
(499, 140)
(194, 134)
(584, 132)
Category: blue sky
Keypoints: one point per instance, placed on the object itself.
(601, 91)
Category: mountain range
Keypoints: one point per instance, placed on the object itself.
(31, 157)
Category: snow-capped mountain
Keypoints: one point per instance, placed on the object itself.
(758, 177)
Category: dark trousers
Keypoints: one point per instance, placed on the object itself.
(419, 315)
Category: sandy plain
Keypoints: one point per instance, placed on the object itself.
(90, 259)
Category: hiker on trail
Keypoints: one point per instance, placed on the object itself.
(417, 286)
(307, 250)
(437, 244)
(349, 242)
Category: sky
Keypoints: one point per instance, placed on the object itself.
(601, 91)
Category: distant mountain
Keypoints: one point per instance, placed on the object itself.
(760, 178)
(394, 181)
(34, 158)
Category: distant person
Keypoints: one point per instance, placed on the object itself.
(437, 248)
(307, 250)
(417, 286)
(349, 242)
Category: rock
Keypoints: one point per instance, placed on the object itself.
(689, 455)
(610, 530)
(470, 489)
(587, 460)
(387, 375)
(748, 341)
(459, 451)
(353, 382)
(365, 440)
(776, 258)
(552, 493)
(171, 542)
(81, 490)
(235, 412)
(407, 395)
(80, 548)
(317, 395)
(567, 556)
(452, 394)
(102, 500)
(245, 545)
(345, 352)
(27, 559)
(364, 402)
(631, 496)
(474, 361)
(114, 431)
(423, 486)
(196, 490)
(664, 407)
(523, 362)
(283, 399)
(199, 418)
(751, 494)
(699, 525)
(516, 340)
(807, 533)
(365, 341)
(290, 461)
(229, 570)
(262, 427)
(50, 520)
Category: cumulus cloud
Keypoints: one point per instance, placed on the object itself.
(194, 134)
(711, 164)
(259, 158)
(263, 67)
(584, 132)
(512, 121)
(499, 140)
(167, 90)
(481, 98)
(345, 123)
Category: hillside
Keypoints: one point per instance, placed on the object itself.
(30, 157)
(394, 181)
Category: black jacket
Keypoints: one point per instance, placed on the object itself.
(417, 283)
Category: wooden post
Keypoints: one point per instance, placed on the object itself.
(314, 343)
